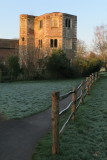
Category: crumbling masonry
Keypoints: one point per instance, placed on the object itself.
(39, 35)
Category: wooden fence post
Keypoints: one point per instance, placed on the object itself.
(82, 92)
(55, 122)
(87, 85)
(73, 107)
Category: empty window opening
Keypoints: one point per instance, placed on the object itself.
(53, 43)
(41, 24)
(23, 38)
(67, 22)
(40, 43)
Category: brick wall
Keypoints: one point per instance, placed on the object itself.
(8, 47)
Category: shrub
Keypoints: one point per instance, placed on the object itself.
(94, 65)
(59, 65)
(80, 66)
(84, 67)
(13, 66)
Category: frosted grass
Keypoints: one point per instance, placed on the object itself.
(21, 99)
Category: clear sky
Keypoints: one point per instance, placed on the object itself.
(90, 13)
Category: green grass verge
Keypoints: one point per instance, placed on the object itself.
(86, 138)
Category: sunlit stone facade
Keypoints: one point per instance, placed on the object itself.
(39, 35)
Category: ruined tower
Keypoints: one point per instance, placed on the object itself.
(27, 39)
(39, 35)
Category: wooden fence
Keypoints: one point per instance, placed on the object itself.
(77, 97)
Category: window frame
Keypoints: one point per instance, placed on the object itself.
(23, 39)
(68, 23)
(40, 43)
(41, 24)
(53, 43)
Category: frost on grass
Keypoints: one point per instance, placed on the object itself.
(86, 139)
(22, 99)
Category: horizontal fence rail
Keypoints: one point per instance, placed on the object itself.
(77, 96)
(65, 95)
(66, 109)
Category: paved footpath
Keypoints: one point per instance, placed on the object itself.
(18, 138)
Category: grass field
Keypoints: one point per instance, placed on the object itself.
(86, 138)
(21, 99)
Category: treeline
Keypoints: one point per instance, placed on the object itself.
(56, 66)
(10, 70)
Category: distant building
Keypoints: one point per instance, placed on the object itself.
(39, 35)
(8, 47)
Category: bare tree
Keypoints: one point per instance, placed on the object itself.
(81, 48)
(100, 41)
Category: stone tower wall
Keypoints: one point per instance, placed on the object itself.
(26, 40)
(47, 32)
(36, 34)
(69, 35)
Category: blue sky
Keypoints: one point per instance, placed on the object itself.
(90, 13)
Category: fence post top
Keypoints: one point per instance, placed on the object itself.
(57, 93)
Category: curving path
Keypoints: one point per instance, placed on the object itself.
(18, 138)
